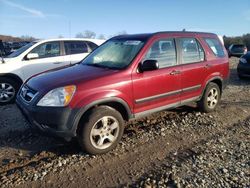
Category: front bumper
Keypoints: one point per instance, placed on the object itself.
(55, 121)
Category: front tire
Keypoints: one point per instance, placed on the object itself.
(8, 90)
(210, 98)
(100, 130)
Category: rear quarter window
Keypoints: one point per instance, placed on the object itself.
(215, 46)
(92, 45)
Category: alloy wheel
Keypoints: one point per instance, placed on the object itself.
(104, 132)
(7, 92)
(212, 98)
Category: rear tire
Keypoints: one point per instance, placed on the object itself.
(8, 90)
(100, 130)
(210, 98)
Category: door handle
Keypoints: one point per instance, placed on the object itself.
(57, 63)
(207, 66)
(175, 72)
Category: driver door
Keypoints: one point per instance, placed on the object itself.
(49, 57)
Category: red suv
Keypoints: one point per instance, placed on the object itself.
(127, 77)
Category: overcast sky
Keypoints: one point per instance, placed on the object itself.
(48, 19)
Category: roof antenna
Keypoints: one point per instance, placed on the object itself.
(184, 30)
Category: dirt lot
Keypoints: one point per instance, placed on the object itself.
(177, 148)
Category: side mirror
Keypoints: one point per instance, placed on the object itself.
(32, 56)
(149, 65)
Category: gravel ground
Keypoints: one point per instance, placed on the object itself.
(220, 161)
(176, 148)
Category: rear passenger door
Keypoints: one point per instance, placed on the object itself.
(75, 51)
(193, 67)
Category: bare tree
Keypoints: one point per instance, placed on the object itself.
(89, 34)
(122, 32)
(86, 34)
(118, 33)
(79, 35)
(101, 36)
(27, 38)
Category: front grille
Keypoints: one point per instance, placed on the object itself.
(28, 93)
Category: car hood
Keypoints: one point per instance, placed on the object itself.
(67, 76)
(6, 60)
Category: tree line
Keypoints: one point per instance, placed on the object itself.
(92, 35)
(8, 38)
(84, 34)
(244, 39)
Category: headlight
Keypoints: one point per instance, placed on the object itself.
(58, 97)
(243, 60)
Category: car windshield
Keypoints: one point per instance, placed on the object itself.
(21, 50)
(114, 54)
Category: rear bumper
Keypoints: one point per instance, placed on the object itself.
(237, 54)
(53, 121)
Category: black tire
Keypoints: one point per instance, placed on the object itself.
(93, 120)
(204, 104)
(14, 84)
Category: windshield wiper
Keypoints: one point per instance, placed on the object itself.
(94, 65)
(99, 65)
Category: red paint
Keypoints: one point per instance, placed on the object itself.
(97, 83)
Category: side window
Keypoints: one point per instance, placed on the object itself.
(92, 45)
(215, 46)
(191, 51)
(164, 52)
(48, 49)
(75, 47)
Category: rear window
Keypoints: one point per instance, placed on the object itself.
(192, 51)
(215, 46)
(239, 46)
(75, 47)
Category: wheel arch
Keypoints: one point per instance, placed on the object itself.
(217, 80)
(13, 77)
(114, 102)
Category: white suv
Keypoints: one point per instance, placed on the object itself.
(37, 57)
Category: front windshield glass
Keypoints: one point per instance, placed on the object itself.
(114, 54)
(21, 50)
